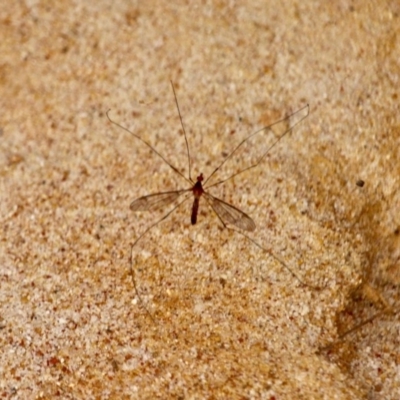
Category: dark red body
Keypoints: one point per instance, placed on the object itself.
(197, 192)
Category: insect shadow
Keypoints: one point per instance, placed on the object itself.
(228, 214)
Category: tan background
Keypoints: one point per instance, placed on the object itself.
(230, 321)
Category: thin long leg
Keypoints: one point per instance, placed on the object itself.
(386, 310)
(149, 146)
(131, 257)
(212, 201)
(284, 265)
(307, 107)
(184, 133)
(361, 324)
(280, 261)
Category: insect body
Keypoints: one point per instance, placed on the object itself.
(226, 212)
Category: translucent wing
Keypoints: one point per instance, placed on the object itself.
(230, 214)
(156, 201)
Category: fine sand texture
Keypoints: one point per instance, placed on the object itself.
(200, 311)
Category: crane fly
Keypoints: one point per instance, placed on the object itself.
(226, 213)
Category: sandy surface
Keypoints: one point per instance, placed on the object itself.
(229, 320)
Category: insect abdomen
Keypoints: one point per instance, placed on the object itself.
(195, 209)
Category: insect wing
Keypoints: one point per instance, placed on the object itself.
(230, 214)
(156, 201)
